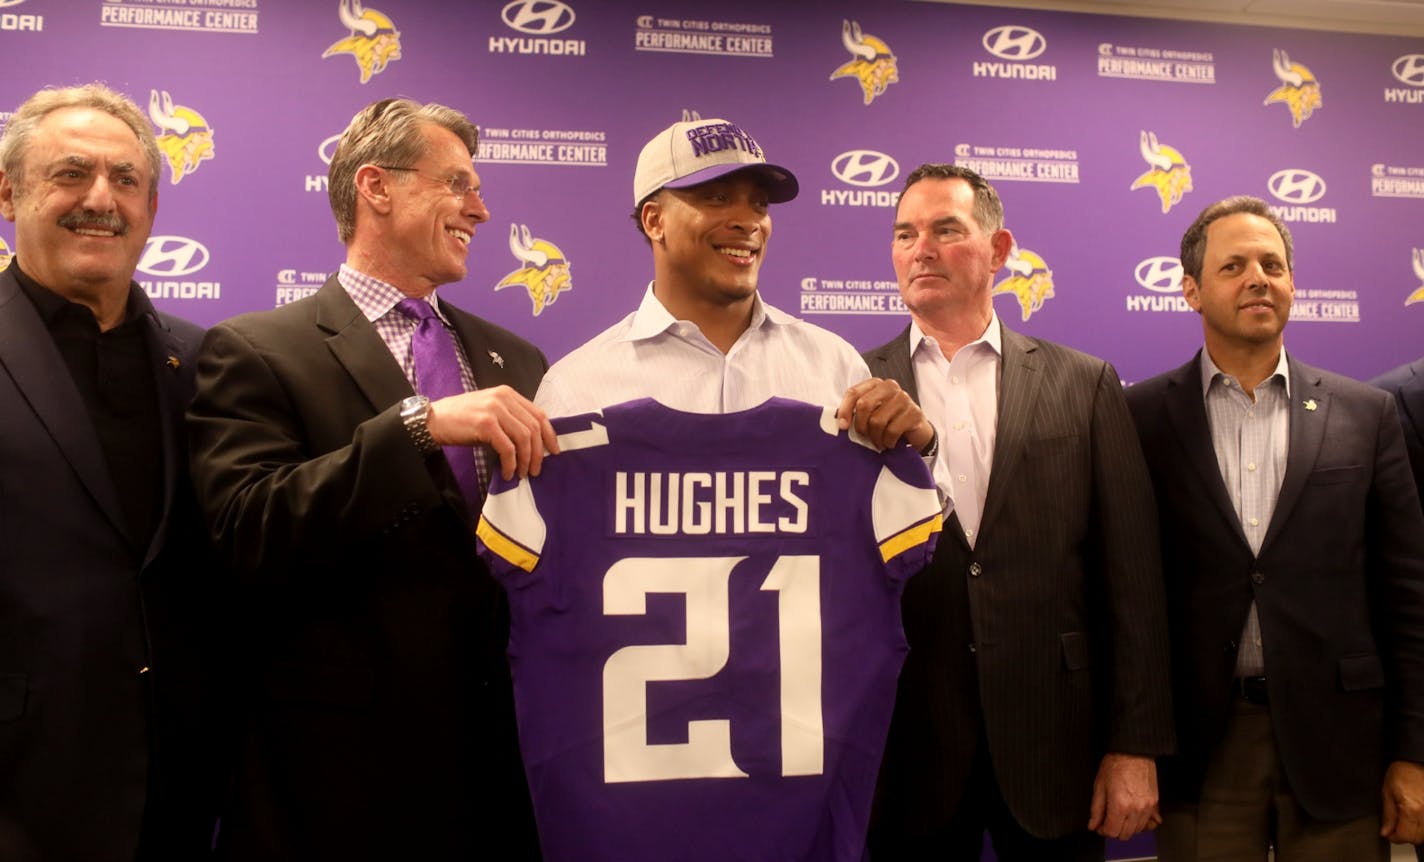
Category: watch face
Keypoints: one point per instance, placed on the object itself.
(413, 405)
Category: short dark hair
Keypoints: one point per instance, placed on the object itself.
(1194, 240)
(988, 209)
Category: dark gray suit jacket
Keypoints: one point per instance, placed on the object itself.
(105, 700)
(1406, 384)
(1338, 585)
(379, 719)
(1051, 630)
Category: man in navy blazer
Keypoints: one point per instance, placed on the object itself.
(1293, 548)
(379, 719)
(106, 612)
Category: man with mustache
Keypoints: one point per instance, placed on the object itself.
(1293, 549)
(105, 617)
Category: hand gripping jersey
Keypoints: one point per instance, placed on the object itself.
(705, 629)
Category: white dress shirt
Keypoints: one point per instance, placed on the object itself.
(1251, 440)
(650, 354)
(960, 397)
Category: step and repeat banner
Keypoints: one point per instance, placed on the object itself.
(1105, 136)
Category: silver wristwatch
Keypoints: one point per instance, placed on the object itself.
(414, 413)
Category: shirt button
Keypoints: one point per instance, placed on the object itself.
(968, 534)
(1255, 522)
(963, 478)
(1251, 466)
(1258, 578)
(958, 426)
(975, 570)
(954, 380)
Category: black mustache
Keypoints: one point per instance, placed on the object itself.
(90, 219)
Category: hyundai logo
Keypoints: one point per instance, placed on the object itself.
(172, 256)
(327, 148)
(5, 3)
(1410, 69)
(1012, 42)
(538, 17)
(864, 168)
(1160, 274)
(1295, 186)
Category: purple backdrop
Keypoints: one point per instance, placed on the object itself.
(1088, 125)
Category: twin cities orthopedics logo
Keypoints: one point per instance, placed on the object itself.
(1030, 280)
(1016, 46)
(1018, 164)
(543, 270)
(293, 284)
(1155, 64)
(851, 296)
(536, 21)
(1167, 171)
(203, 16)
(1408, 70)
(1299, 90)
(1394, 181)
(168, 259)
(184, 136)
(374, 41)
(872, 62)
(559, 147)
(1161, 278)
(715, 38)
(865, 171)
(1296, 188)
(17, 22)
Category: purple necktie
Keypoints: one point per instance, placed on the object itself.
(437, 375)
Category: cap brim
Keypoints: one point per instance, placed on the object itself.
(780, 183)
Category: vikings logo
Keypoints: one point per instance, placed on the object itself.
(5, 254)
(1030, 280)
(1168, 173)
(545, 273)
(690, 116)
(1416, 296)
(184, 136)
(874, 64)
(374, 41)
(1299, 89)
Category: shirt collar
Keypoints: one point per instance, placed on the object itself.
(1209, 372)
(377, 298)
(992, 337)
(652, 317)
(51, 306)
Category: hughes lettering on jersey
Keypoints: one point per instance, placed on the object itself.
(701, 504)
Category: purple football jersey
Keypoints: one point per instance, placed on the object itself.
(705, 629)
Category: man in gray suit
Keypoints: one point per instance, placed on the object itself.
(1035, 695)
(1294, 552)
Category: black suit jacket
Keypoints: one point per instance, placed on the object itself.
(105, 705)
(379, 721)
(1050, 633)
(1406, 384)
(1338, 586)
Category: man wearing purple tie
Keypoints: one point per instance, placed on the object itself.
(341, 445)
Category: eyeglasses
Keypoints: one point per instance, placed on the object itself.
(458, 186)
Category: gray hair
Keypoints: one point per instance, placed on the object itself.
(1194, 240)
(15, 142)
(387, 132)
(988, 209)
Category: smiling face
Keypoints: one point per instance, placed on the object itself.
(83, 205)
(944, 260)
(430, 228)
(1245, 291)
(708, 241)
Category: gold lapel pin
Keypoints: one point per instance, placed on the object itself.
(496, 359)
(172, 361)
(1310, 404)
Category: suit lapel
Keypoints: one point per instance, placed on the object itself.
(174, 389)
(1187, 408)
(359, 348)
(1411, 396)
(1020, 378)
(489, 367)
(894, 360)
(29, 354)
(1309, 412)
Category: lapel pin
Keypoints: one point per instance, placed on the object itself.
(172, 362)
(1310, 404)
(496, 359)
